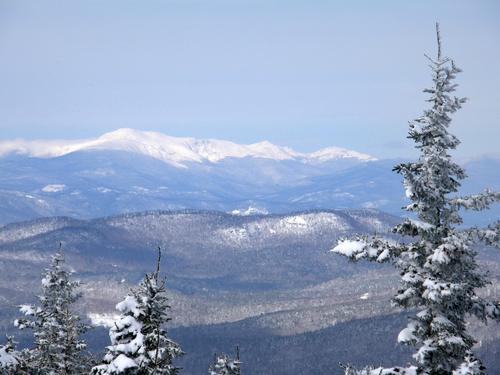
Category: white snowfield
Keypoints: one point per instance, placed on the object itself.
(249, 211)
(53, 188)
(292, 225)
(173, 150)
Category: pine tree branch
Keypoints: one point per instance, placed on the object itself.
(483, 309)
(489, 236)
(476, 202)
(376, 249)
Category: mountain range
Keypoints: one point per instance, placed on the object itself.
(245, 232)
(130, 171)
(176, 151)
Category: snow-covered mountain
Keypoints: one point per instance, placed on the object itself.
(174, 150)
(130, 171)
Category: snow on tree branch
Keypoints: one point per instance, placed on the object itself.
(489, 236)
(9, 357)
(476, 202)
(410, 227)
(485, 310)
(362, 248)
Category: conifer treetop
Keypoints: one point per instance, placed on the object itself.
(56, 327)
(439, 271)
(139, 338)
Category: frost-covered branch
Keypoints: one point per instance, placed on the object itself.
(476, 202)
(489, 236)
(376, 249)
(30, 312)
(485, 310)
(9, 357)
(414, 228)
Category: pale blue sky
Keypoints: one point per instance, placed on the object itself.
(306, 74)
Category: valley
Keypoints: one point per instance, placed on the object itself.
(265, 282)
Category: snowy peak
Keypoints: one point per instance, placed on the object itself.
(332, 153)
(269, 150)
(176, 151)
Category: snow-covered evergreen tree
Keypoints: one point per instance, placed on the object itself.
(224, 365)
(439, 272)
(127, 342)
(139, 340)
(9, 357)
(58, 348)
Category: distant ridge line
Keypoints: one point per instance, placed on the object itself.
(176, 151)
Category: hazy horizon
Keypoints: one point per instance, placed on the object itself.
(298, 74)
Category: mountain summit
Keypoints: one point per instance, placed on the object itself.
(129, 171)
(174, 150)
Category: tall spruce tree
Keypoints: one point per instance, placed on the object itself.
(58, 348)
(139, 340)
(438, 267)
